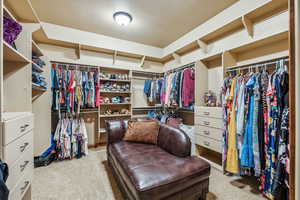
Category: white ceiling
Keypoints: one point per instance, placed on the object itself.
(155, 22)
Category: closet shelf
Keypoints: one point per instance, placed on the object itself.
(22, 10)
(36, 49)
(115, 80)
(36, 67)
(115, 92)
(117, 115)
(114, 104)
(12, 55)
(38, 87)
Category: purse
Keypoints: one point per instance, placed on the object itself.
(11, 30)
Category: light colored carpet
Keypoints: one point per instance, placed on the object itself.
(89, 178)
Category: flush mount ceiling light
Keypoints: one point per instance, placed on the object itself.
(122, 18)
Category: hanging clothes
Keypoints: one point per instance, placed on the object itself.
(71, 138)
(179, 89)
(255, 135)
(74, 89)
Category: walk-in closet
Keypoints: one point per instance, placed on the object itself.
(149, 100)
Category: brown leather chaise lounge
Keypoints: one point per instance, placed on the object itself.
(154, 172)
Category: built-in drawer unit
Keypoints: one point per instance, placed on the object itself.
(22, 186)
(215, 112)
(22, 166)
(213, 133)
(209, 143)
(209, 122)
(17, 148)
(15, 126)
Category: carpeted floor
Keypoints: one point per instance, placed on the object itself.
(89, 178)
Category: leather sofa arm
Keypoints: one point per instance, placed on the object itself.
(115, 130)
(174, 141)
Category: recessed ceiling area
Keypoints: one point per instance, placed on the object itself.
(156, 22)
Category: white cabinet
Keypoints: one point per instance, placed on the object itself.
(17, 151)
(209, 127)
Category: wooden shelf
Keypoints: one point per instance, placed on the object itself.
(36, 67)
(116, 80)
(38, 87)
(114, 104)
(36, 49)
(12, 55)
(118, 115)
(22, 10)
(115, 92)
(7, 13)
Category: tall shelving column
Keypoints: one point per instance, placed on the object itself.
(16, 101)
(122, 78)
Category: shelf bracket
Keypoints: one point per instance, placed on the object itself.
(176, 57)
(202, 45)
(228, 60)
(77, 51)
(142, 61)
(248, 25)
(115, 57)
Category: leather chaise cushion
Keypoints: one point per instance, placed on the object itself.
(142, 131)
(151, 171)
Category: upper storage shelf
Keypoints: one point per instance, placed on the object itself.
(22, 10)
(12, 55)
(36, 49)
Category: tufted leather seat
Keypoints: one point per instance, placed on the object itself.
(163, 171)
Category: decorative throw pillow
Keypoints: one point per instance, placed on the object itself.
(142, 131)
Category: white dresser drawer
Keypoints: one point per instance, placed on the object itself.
(213, 133)
(22, 186)
(17, 148)
(215, 112)
(22, 166)
(210, 122)
(209, 143)
(15, 127)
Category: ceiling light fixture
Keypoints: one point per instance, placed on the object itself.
(122, 18)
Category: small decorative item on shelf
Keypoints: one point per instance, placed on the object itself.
(210, 99)
(11, 30)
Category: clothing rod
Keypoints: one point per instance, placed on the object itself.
(260, 64)
(74, 64)
(144, 72)
(182, 67)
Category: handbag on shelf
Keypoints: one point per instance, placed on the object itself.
(11, 30)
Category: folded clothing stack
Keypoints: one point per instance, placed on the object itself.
(37, 76)
(38, 61)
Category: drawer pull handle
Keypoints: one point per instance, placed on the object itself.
(26, 183)
(23, 128)
(23, 147)
(22, 167)
(206, 113)
(206, 143)
(206, 132)
(206, 123)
